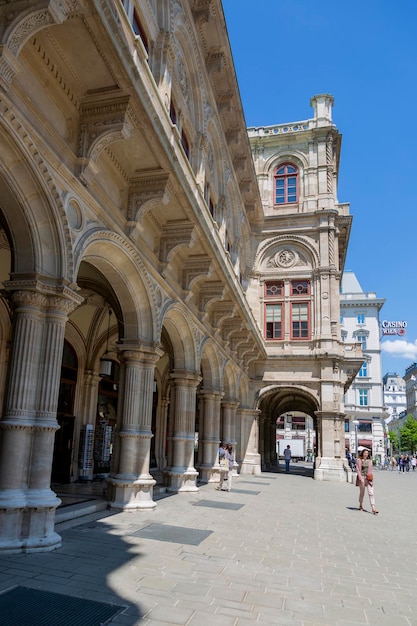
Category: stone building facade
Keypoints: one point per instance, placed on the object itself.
(135, 252)
(364, 401)
(295, 285)
(394, 398)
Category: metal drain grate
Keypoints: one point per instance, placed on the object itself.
(173, 534)
(214, 504)
(23, 606)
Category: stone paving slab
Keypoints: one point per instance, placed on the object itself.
(297, 552)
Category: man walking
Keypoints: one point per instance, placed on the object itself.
(287, 457)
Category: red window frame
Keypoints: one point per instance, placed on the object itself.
(274, 294)
(274, 327)
(303, 332)
(274, 289)
(286, 184)
(300, 288)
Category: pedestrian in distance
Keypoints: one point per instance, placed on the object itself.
(224, 465)
(229, 454)
(401, 463)
(287, 458)
(364, 478)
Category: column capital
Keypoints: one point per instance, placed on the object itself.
(34, 291)
(131, 350)
(230, 404)
(211, 393)
(187, 377)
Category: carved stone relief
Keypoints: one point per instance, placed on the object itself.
(286, 258)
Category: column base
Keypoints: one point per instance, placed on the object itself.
(251, 465)
(182, 481)
(331, 469)
(27, 530)
(126, 494)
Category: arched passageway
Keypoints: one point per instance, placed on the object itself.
(287, 414)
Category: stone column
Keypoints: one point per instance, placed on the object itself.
(209, 468)
(330, 459)
(130, 485)
(267, 461)
(160, 443)
(87, 411)
(261, 422)
(182, 474)
(27, 503)
(251, 463)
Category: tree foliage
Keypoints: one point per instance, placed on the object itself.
(408, 434)
(394, 439)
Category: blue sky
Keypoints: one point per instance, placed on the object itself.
(365, 55)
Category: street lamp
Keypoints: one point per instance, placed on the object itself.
(356, 423)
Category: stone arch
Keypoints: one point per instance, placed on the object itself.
(304, 244)
(211, 367)
(217, 174)
(244, 391)
(117, 261)
(291, 156)
(281, 398)
(231, 384)
(25, 24)
(38, 229)
(183, 338)
(187, 67)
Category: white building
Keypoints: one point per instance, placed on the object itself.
(364, 406)
(410, 380)
(394, 395)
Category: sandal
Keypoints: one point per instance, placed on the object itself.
(374, 511)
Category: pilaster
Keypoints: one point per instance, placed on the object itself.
(330, 460)
(251, 463)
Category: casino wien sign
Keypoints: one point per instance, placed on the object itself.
(394, 328)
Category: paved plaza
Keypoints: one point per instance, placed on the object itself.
(279, 549)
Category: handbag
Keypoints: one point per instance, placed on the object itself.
(369, 477)
(224, 463)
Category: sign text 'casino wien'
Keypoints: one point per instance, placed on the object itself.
(393, 328)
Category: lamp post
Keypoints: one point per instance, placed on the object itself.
(356, 424)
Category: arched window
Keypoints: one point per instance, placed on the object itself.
(286, 184)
